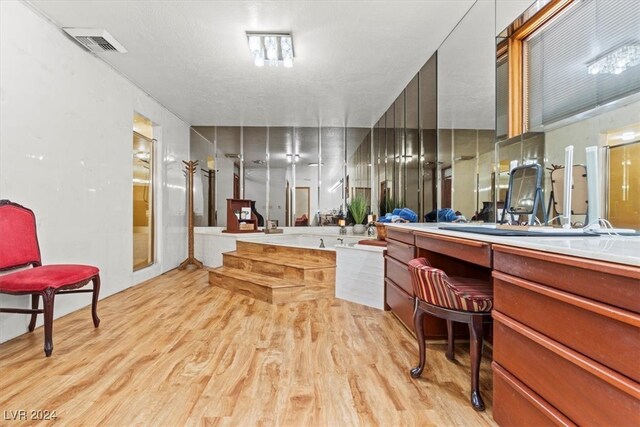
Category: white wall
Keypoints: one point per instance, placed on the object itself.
(65, 152)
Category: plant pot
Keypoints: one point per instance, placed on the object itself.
(359, 229)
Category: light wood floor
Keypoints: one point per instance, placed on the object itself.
(176, 351)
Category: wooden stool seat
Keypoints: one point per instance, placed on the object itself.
(455, 299)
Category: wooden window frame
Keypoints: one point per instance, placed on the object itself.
(514, 48)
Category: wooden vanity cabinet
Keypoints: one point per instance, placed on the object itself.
(398, 288)
(566, 339)
(442, 252)
(566, 330)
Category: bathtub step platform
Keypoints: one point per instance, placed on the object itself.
(267, 288)
(287, 253)
(283, 267)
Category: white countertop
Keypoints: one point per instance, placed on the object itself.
(618, 249)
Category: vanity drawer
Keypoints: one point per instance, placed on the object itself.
(401, 251)
(399, 274)
(472, 251)
(515, 404)
(606, 334)
(401, 303)
(585, 391)
(400, 235)
(610, 283)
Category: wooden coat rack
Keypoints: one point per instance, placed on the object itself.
(190, 167)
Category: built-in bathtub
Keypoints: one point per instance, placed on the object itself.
(359, 268)
(307, 241)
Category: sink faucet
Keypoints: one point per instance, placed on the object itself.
(321, 243)
(341, 241)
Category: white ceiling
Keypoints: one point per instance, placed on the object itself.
(352, 60)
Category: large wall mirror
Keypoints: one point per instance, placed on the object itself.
(466, 119)
(297, 176)
(580, 98)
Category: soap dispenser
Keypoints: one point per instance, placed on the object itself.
(371, 229)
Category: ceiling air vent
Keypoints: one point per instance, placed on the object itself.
(96, 40)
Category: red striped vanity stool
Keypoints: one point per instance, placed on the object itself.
(455, 299)
(19, 250)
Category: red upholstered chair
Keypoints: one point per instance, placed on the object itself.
(19, 250)
(302, 221)
(456, 299)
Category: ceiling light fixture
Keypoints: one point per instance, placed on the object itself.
(616, 61)
(293, 157)
(271, 48)
(335, 186)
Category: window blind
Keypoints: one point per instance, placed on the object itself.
(557, 58)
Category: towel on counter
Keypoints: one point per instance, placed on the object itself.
(400, 215)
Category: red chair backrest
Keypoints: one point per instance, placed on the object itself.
(18, 238)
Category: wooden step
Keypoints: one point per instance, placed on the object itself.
(281, 267)
(269, 289)
(276, 251)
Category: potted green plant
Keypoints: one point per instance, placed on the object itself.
(358, 210)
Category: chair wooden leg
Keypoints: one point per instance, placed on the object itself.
(451, 355)
(94, 302)
(475, 332)
(418, 316)
(47, 301)
(35, 302)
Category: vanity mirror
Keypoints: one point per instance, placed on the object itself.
(525, 193)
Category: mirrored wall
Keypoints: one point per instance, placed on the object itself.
(297, 176)
(466, 116)
(433, 147)
(447, 141)
(571, 98)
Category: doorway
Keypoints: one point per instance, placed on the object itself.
(624, 186)
(143, 194)
(287, 205)
(446, 187)
(301, 209)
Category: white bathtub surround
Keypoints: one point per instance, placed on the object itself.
(359, 268)
(360, 275)
(311, 241)
(210, 242)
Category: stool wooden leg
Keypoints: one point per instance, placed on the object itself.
(451, 355)
(475, 331)
(418, 316)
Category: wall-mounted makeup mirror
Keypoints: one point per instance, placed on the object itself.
(525, 192)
